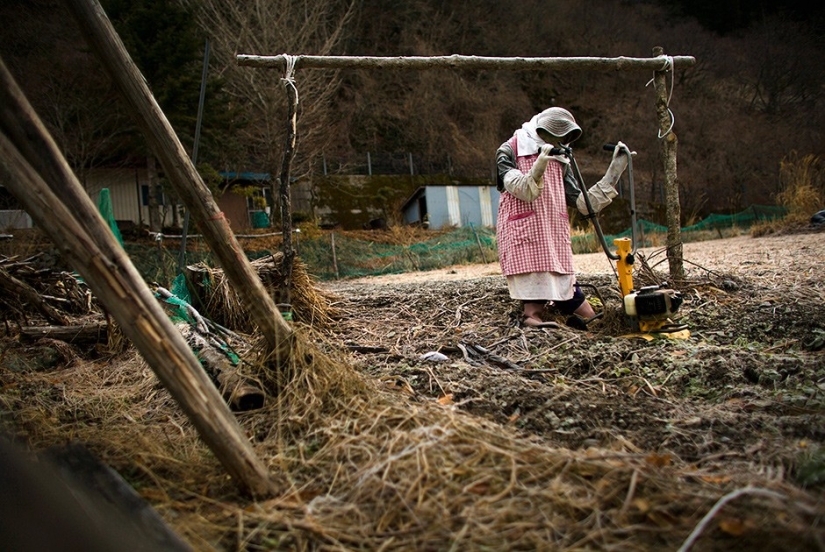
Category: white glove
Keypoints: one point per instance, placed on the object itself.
(601, 194)
(527, 187)
(537, 171)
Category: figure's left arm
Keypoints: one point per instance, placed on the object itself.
(601, 194)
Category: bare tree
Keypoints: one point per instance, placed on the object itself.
(275, 27)
(87, 132)
(782, 70)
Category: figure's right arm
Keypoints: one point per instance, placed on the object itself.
(525, 187)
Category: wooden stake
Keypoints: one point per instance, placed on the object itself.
(288, 260)
(87, 334)
(87, 243)
(673, 209)
(189, 186)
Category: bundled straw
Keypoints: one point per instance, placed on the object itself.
(310, 305)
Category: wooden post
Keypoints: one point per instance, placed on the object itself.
(284, 188)
(478, 241)
(85, 240)
(182, 174)
(673, 209)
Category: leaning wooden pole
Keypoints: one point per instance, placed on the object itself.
(673, 209)
(89, 246)
(183, 176)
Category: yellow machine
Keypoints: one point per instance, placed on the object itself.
(649, 309)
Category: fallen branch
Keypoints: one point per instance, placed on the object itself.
(496, 359)
(14, 287)
(86, 333)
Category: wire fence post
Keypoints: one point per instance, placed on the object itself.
(334, 256)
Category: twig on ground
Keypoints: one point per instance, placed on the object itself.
(719, 505)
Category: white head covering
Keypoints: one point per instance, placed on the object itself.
(557, 121)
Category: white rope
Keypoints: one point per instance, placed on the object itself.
(289, 74)
(667, 67)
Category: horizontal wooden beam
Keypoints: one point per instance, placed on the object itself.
(456, 61)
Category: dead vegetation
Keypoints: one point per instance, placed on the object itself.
(521, 439)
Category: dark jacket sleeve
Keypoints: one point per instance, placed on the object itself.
(505, 162)
(571, 188)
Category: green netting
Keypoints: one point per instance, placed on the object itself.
(104, 206)
(743, 219)
(160, 263)
(181, 310)
(180, 289)
(362, 258)
(354, 257)
(712, 223)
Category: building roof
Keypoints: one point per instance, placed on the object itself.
(251, 176)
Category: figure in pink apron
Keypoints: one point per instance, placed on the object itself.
(533, 229)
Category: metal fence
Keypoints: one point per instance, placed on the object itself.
(399, 163)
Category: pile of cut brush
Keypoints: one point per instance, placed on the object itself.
(47, 303)
(373, 448)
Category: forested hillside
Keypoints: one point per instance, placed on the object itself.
(753, 99)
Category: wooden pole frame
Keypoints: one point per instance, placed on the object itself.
(660, 64)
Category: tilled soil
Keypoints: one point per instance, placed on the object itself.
(746, 390)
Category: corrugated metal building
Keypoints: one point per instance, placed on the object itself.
(129, 191)
(441, 206)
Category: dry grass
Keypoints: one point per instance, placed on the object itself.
(803, 187)
(361, 464)
(309, 305)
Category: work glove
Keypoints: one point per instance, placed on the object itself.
(601, 194)
(537, 171)
(527, 187)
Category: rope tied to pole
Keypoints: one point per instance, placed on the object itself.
(288, 79)
(666, 67)
(283, 181)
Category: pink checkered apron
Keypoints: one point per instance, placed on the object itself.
(535, 236)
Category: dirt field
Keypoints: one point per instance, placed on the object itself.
(738, 405)
(745, 394)
(748, 386)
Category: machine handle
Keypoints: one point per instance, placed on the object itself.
(611, 147)
(557, 150)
